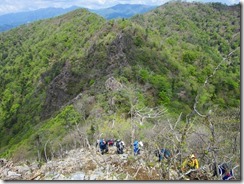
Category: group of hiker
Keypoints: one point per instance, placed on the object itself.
(190, 163)
(120, 145)
(104, 144)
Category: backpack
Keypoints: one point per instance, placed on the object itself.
(166, 153)
(223, 171)
(228, 176)
(102, 144)
(136, 144)
(120, 147)
(136, 148)
(118, 143)
(222, 168)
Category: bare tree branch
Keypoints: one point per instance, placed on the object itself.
(45, 150)
(137, 172)
(207, 81)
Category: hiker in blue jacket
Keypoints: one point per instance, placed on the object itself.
(163, 153)
(103, 146)
(137, 146)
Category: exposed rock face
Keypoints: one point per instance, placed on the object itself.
(90, 164)
(81, 164)
(58, 92)
(118, 51)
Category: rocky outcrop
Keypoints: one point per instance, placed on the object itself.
(90, 164)
(58, 92)
(81, 164)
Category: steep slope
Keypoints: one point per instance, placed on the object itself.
(188, 41)
(54, 74)
(34, 56)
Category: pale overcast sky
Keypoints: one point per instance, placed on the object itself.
(12, 6)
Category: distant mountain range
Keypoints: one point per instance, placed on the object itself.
(12, 20)
(123, 10)
(9, 21)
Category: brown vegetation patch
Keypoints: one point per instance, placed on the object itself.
(141, 173)
(90, 166)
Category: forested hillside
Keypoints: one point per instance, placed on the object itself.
(170, 77)
(12, 20)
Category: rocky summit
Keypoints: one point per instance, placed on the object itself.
(82, 164)
(90, 164)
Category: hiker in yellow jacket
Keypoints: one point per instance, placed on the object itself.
(190, 163)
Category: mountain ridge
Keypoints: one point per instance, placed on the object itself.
(123, 10)
(77, 75)
(12, 20)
